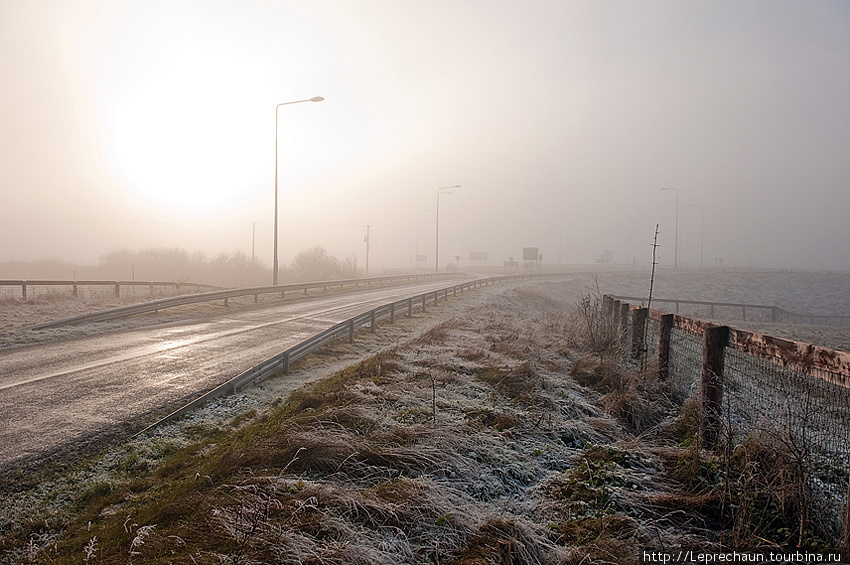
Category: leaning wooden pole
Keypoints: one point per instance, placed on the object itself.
(649, 300)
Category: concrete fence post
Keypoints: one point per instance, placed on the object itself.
(664, 346)
(638, 331)
(713, 349)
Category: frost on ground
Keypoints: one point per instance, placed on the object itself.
(497, 432)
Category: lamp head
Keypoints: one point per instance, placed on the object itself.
(316, 99)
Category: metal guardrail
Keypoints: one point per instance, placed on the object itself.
(163, 303)
(777, 314)
(26, 283)
(282, 361)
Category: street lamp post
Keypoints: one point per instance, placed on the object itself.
(437, 250)
(313, 99)
(676, 248)
(701, 231)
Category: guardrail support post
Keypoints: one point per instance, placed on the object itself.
(24, 291)
(351, 330)
(225, 301)
(436, 293)
(372, 321)
(74, 291)
(255, 299)
(392, 313)
(424, 298)
(286, 362)
(713, 348)
(409, 307)
(117, 290)
(664, 346)
(638, 329)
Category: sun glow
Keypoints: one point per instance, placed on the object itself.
(191, 137)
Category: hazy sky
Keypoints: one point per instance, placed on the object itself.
(132, 124)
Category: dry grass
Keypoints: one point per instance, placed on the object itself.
(487, 440)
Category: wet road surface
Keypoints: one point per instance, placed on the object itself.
(56, 396)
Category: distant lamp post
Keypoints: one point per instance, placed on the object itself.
(676, 249)
(313, 99)
(437, 249)
(701, 231)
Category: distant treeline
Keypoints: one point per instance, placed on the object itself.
(178, 265)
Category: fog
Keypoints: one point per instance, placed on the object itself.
(129, 125)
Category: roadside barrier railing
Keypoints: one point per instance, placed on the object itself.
(282, 362)
(736, 310)
(26, 285)
(226, 295)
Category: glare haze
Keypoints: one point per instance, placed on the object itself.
(135, 124)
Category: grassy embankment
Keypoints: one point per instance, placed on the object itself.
(516, 433)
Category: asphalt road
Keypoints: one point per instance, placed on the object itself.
(63, 396)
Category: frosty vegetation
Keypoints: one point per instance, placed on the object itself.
(515, 432)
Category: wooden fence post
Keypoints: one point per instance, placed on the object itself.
(713, 348)
(845, 540)
(638, 331)
(615, 307)
(664, 346)
(624, 322)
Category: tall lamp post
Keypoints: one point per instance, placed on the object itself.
(437, 250)
(701, 231)
(676, 249)
(313, 99)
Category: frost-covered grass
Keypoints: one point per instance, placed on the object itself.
(495, 435)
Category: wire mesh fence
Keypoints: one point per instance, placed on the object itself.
(795, 394)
